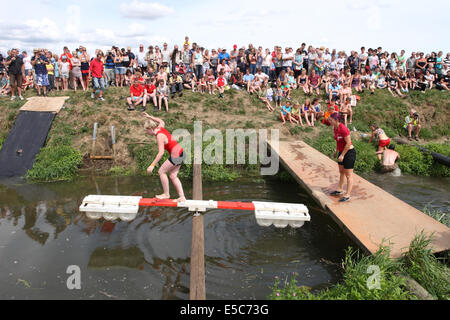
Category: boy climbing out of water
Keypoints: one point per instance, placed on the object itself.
(390, 156)
(155, 127)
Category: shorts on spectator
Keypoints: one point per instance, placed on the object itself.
(120, 70)
(98, 83)
(42, 80)
(15, 80)
(65, 75)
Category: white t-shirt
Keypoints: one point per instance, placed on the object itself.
(141, 58)
(27, 63)
(327, 58)
(165, 55)
(267, 61)
(261, 77)
(363, 57)
(340, 63)
(287, 63)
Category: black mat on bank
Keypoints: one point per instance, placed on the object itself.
(26, 138)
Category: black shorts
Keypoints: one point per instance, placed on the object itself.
(177, 161)
(349, 159)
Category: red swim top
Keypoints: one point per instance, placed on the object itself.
(339, 135)
(171, 144)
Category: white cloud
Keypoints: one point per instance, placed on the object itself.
(73, 22)
(144, 10)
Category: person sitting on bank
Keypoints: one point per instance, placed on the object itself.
(412, 123)
(390, 156)
(380, 135)
(285, 113)
(176, 85)
(136, 96)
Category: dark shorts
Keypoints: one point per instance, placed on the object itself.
(349, 159)
(15, 80)
(178, 161)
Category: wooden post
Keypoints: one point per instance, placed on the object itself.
(94, 139)
(197, 280)
(113, 142)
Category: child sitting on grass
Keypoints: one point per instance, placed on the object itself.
(163, 95)
(221, 83)
(136, 96)
(318, 113)
(202, 85)
(150, 92)
(4, 84)
(278, 95)
(306, 112)
(285, 113)
(296, 114)
(263, 95)
(346, 111)
(211, 80)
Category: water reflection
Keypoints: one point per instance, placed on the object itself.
(42, 232)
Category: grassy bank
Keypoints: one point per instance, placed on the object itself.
(412, 161)
(73, 126)
(357, 277)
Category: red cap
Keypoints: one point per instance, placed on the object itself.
(235, 46)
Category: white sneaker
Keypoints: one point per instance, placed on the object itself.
(20, 97)
(101, 99)
(93, 95)
(13, 98)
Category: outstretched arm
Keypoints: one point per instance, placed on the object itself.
(160, 141)
(159, 121)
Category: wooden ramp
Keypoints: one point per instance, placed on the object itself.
(372, 215)
(28, 135)
(44, 104)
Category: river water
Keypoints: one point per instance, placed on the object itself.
(42, 233)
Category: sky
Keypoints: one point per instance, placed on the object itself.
(339, 24)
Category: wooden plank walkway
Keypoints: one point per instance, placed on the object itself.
(44, 104)
(373, 215)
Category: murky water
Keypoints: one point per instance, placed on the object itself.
(416, 191)
(42, 233)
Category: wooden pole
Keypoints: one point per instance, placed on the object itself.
(94, 139)
(113, 141)
(197, 280)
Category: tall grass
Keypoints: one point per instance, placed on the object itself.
(418, 263)
(426, 269)
(55, 163)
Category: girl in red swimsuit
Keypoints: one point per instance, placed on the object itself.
(155, 127)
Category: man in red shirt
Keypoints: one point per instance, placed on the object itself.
(137, 94)
(97, 73)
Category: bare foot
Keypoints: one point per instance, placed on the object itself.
(162, 197)
(181, 200)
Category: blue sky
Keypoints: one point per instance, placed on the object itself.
(340, 24)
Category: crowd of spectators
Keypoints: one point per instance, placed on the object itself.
(155, 75)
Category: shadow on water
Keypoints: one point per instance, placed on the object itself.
(42, 233)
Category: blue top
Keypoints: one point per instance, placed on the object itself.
(39, 67)
(285, 110)
(248, 77)
(224, 56)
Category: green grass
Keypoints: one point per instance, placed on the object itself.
(418, 263)
(426, 269)
(55, 163)
(144, 155)
(354, 284)
(412, 161)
